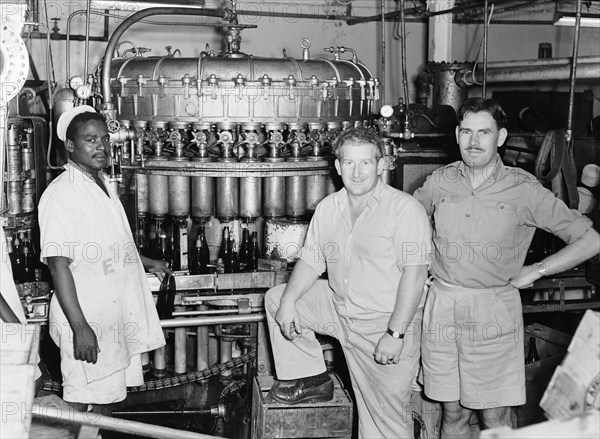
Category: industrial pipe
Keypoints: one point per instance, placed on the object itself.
(220, 320)
(113, 424)
(534, 73)
(134, 18)
(542, 62)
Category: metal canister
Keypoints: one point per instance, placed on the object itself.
(141, 188)
(28, 160)
(158, 193)
(295, 194)
(14, 163)
(14, 191)
(203, 194)
(316, 187)
(250, 194)
(274, 193)
(228, 193)
(179, 194)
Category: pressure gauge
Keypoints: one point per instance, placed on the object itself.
(386, 111)
(75, 82)
(84, 91)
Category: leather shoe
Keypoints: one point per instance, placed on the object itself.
(299, 392)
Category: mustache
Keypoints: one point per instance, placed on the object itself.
(472, 148)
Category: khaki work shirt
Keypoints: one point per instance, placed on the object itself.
(365, 261)
(481, 236)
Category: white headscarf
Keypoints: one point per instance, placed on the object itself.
(65, 119)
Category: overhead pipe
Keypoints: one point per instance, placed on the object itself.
(543, 62)
(466, 78)
(130, 21)
(87, 40)
(68, 36)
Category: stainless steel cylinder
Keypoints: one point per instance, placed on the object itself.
(28, 160)
(158, 194)
(228, 194)
(274, 193)
(203, 194)
(28, 197)
(445, 89)
(250, 195)
(141, 188)
(316, 187)
(14, 163)
(179, 194)
(295, 194)
(14, 196)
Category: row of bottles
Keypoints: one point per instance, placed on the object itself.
(23, 257)
(230, 260)
(167, 240)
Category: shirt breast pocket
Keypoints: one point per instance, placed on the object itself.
(446, 217)
(499, 223)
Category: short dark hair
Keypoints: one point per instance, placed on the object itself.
(477, 105)
(359, 135)
(79, 121)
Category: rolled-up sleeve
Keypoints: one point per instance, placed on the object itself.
(412, 239)
(58, 222)
(545, 211)
(424, 196)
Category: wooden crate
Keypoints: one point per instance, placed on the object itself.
(552, 347)
(575, 385)
(18, 364)
(271, 419)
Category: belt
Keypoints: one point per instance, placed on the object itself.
(460, 289)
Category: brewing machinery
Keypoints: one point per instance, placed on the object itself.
(221, 140)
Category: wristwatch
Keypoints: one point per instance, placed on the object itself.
(395, 334)
(541, 268)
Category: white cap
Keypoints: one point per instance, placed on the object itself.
(590, 176)
(65, 119)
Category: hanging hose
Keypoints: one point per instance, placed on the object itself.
(403, 55)
(562, 171)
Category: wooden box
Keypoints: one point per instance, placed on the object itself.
(18, 365)
(270, 419)
(575, 385)
(552, 347)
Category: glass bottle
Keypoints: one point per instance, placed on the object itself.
(254, 254)
(201, 255)
(141, 241)
(223, 247)
(18, 259)
(532, 355)
(235, 261)
(244, 248)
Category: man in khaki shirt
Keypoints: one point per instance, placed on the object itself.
(373, 241)
(484, 216)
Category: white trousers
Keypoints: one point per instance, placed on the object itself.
(382, 392)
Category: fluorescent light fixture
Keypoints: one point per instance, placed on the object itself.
(587, 20)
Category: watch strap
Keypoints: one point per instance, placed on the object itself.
(395, 334)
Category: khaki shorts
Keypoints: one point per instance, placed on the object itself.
(105, 391)
(472, 346)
